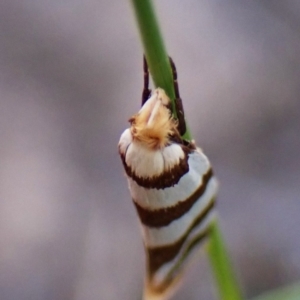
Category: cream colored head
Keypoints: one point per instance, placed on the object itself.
(153, 124)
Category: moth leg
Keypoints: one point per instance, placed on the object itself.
(146, 91)
(178, 102)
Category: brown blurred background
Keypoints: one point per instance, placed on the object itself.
(71, 76)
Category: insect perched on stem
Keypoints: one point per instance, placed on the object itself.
(172, 186)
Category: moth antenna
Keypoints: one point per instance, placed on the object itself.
(178, 102)
(146, 91)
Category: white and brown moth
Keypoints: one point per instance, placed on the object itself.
(172, 186)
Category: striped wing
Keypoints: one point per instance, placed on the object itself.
(173, 190)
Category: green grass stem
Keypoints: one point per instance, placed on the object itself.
(220, 262)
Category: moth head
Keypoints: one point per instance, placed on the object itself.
(153, 124)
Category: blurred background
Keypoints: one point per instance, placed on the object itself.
(71, 76)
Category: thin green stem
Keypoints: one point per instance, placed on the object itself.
(221, 266)
(154, 47)
(160, 70)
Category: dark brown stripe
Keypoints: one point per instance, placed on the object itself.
(175, 271)
(164, 216)
(167, 179)
(160, 255)
(190, 247)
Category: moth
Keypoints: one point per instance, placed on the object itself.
(172, 186)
